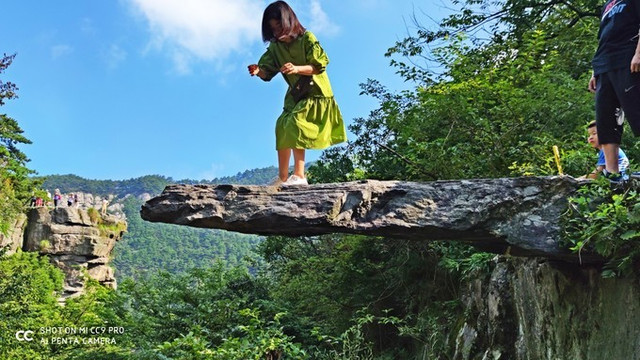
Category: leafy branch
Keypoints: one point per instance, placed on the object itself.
(605, 221)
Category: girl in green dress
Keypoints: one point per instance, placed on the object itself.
(313, 121)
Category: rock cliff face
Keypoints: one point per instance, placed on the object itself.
(75, 242)
(14, 239)
(538, 309)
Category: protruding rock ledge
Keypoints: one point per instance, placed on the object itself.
(520, 214)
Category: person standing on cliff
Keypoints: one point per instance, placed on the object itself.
(616, 79)
(311, 118)
(56, 198)
(105, 204)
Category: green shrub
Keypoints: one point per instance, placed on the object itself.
(94, 215)
(117, 228)
(607, 222)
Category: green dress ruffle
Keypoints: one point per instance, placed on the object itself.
(314, 122)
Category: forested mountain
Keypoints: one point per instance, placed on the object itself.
(149, 247)
(151, 184)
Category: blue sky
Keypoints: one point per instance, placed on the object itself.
(126, 88)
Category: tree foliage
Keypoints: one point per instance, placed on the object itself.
(147, 247)
(16, 186)
(606, 221)
(483, 106)
(497, 85)
(149, 184)
(397, 298)
(214, 313)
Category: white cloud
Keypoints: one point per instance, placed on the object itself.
(320, 23)
(196, 30)
(60, 50)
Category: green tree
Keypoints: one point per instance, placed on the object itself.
(16, 186)
(28, 288)
(149, 247)
(401, 297)
(570, 25)
(214, 313)
(497, 85)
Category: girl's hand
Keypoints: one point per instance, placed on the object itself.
(253, 69)
(289, 68)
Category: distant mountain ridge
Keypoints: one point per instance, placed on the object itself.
(147, 248)
(151, 184)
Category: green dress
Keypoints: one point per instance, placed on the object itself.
(314, 122)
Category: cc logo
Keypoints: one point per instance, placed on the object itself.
(23, 335)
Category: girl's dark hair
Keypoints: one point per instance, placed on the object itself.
(282, 12)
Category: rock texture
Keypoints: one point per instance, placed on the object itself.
(13, 240)
(75, 243)
(518, 214)
(538, 309)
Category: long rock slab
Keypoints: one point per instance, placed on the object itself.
(519, 215)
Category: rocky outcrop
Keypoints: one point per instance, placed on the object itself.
(540, 309)
(86, 201)
(12, 241)
(75, 242)
(521, 215)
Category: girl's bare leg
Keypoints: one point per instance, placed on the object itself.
(298, 162)
(283, 163)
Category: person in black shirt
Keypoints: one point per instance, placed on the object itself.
(616, 78)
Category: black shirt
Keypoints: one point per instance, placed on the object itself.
(618, 35)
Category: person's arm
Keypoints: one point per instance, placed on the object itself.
(266, 68)
(595, 172)
(255, 70)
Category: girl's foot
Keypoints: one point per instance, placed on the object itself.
(295, 180)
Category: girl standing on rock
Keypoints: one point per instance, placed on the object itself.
(311, 118)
